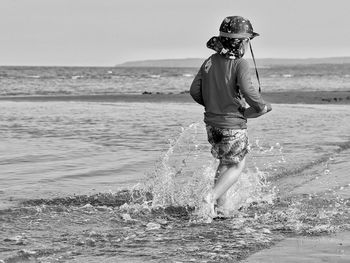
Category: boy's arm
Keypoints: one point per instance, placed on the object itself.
(251, 113)
(196, 88)
(257, 105)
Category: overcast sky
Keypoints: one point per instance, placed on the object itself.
(108, 32)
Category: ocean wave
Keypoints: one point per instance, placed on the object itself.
(101, 199)
(138, 205)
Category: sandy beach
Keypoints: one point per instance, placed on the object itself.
(283, 97)
(333, 248)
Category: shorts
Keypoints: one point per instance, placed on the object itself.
(228, 145)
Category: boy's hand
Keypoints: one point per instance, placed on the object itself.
(251, 113)
(269, 108)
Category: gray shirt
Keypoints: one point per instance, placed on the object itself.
(220, 86)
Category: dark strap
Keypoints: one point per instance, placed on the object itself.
(256, 70)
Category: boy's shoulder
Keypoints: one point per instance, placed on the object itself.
(211, 57)
(216, 58)
(242, 64)
(207, 63)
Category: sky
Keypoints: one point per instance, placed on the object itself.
(110, 32)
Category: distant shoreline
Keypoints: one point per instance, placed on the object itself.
(282, 97)
(261, 62)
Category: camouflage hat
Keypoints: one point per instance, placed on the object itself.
(234, 30)
(237, 27)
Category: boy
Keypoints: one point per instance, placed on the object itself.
(221, 82)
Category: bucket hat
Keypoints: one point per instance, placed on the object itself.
(234, 30)
(237, 27)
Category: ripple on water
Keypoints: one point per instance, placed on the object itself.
(99, 226)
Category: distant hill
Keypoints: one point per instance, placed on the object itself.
(171, 63)
(262, 62)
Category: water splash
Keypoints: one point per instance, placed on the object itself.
(186, 171)
(183, 173)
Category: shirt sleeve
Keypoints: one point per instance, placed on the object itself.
(250, 94)
(196, 88)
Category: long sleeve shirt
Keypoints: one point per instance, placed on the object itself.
(220, 86)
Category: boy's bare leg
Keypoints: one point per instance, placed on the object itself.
(219, 172)
(226, 176)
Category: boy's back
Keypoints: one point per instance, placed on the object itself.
(219, 86)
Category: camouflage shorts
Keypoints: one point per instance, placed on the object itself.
(228, 145)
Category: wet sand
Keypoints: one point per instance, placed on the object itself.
(283, 97)
(309, 249)
(334, 248)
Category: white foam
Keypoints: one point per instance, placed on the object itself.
(185, 174)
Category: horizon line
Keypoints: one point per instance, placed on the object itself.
(164, 59)
(286, 58)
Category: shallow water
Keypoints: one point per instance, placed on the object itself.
(78, 147)
(53, 153)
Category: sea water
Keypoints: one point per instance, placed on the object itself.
(83, 181)
(116, 80)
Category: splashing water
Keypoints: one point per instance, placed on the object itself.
(183, 173)
(186, 171)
